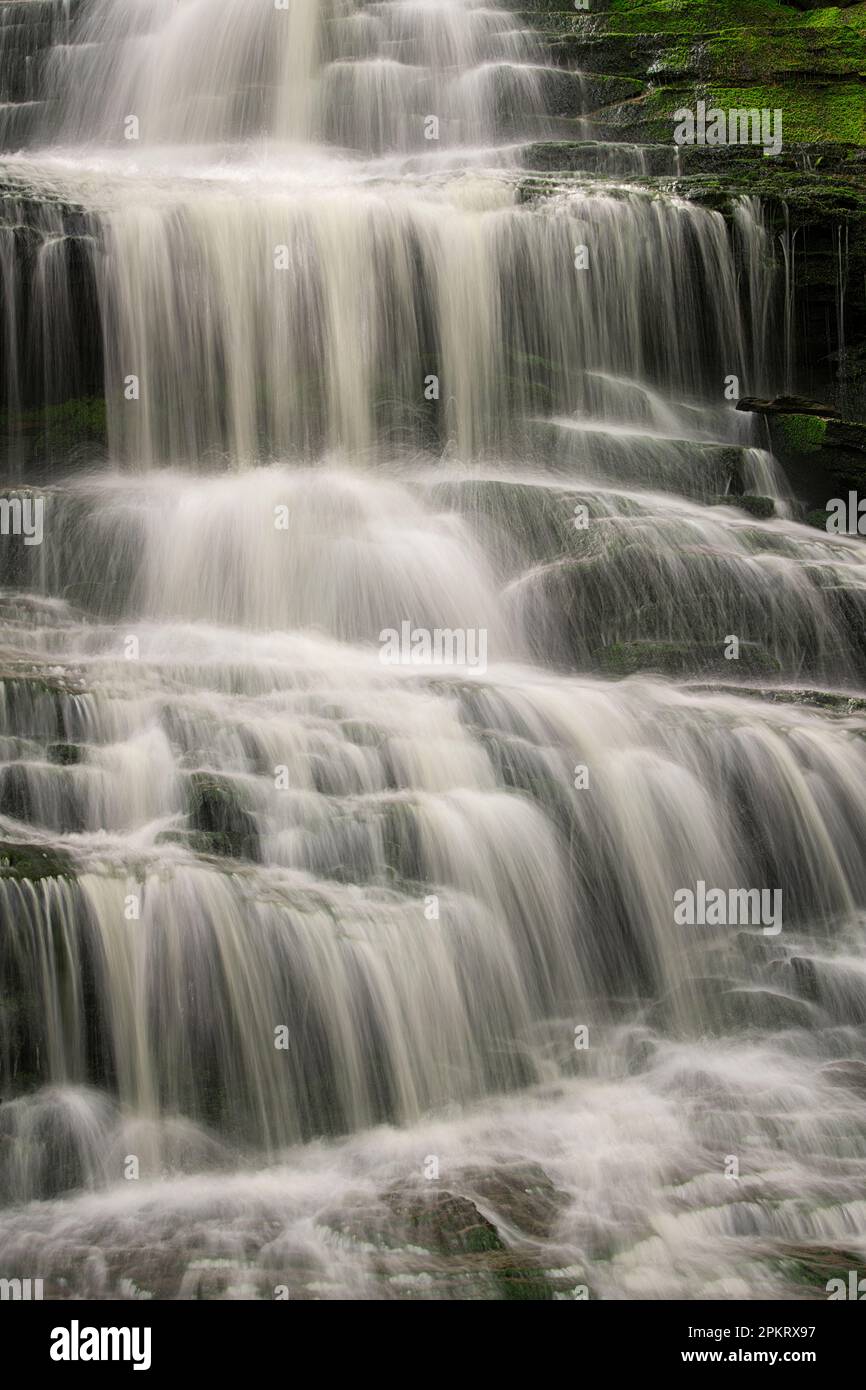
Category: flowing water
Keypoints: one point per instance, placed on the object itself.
(302, 949)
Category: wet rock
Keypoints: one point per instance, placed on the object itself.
(806, 978)
(831, 701)
(437, 1244)
(815, 1266)
(824, 455)
(787, 405)
(850, 1074)
(216, 810)
(682, 658)
(76, 428)
(762, 507)
(574, 93)
(33, 862)
(362, 733)
(443, 1223)
(37, 679)
(521, 523)
(523, 1197)
(65, 754)
(715, 1005)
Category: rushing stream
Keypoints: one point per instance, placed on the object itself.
(299, 945)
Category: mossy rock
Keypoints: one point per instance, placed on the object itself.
(362, 733)
(439, 1222)
(404, 860)
(217, 811)
(761, 507)
(717, 1005)
(798, 434)
(211, 843)
(684, 658)
(747, 57)
(836, 451)
(443, 1223)
(34, 862)
(814, 1266)
(570, 94)
(42, 680)
(65, 754)
(829, 701)
(77, 426)
(522, 1196)
(849, 1073)
(812, 110)
(565, 157)
(524, 523)
(701, 16)
(441, 1242)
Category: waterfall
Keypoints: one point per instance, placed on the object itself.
(282, 920)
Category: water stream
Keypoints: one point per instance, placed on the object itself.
(297, 941)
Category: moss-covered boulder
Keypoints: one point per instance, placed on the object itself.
(34, 862)
(761, 507)
(685, 658)
(220, 817)
(434, 1242)
(813, 444)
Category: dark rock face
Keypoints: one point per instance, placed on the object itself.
(524, 1197)
(51, 391)
(826, 453)
(33, 862)
(220, 822)
(787, 405)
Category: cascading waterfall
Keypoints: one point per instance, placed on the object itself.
(280, 919)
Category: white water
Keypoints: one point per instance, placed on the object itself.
(297, 898)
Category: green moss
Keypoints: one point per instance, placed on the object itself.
(815, 1267)
(25, 678)
(743, 53)
(829, 700)
(683, 658)
(58, 430)
(763, 507)
(516, 1284)
(219, 844)
(695, 16)
(800, 434)
(362, 733)
(748, 56)
(65, 754)
(569, 94)
(219, 818)
(828, 15)
(833, 111)
(33, 862)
